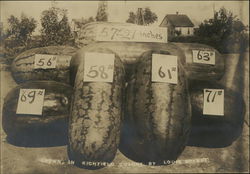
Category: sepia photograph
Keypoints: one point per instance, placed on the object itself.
(124, 86)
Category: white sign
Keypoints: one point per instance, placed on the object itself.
(45, 61)
(164, 68)
(213, 103)
(204, 57)
(131, 33)
(64, 60)
(98, 67)
(30, 101)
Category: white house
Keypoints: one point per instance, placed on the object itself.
(178, 25)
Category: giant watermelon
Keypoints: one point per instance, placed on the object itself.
(35, 128)
(158, 115)
(215, 130)
(23, 67)
(201, 71)
(96, 113)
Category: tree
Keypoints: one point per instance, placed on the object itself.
(21, 29)
(83, 21)
(221, 31)
(145, 15)
(102, 11)
(220, 25)
(55, 27)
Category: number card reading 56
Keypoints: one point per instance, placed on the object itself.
(44, 61)
(30, 101)
(204, 57)
(164, 68)
(213, 103)
(98, 67)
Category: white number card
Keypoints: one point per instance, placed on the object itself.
(204, 57)
(98, 67)
(45, 61)
(30, 101)
(131, 33)
(164, 68)
(213, 103)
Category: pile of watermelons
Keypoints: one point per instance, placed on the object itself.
(148, 99)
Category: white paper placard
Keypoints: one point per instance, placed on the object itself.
(164, 68)
(45, 61)
(213, 103)
(64, 60)
(204, 57)
(30, 101)
(98, 67)
(131, 33)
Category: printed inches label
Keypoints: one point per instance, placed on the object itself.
(131, 33)
(204, 57)
(213, 103)
(164, 68)
(98, 67)
(45, 61)
(30, 101)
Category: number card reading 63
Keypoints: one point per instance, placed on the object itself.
(30, 101)
(204, 57)
(164, 68)
(98, 67)
(213, 103)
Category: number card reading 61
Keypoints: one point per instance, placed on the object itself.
(30, 101)
(164, 68)
(213, 103)
(98, 67)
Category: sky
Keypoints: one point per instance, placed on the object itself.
(118, 11)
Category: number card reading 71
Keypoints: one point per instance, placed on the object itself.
(164, 68)
(98, 67)
(213, 103)
(30, 101)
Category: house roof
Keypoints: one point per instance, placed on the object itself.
(177, 20)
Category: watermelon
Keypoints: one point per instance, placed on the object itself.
(23, 66)
(31, 127)
(201, 71)
(158, 115)
(95, 117)
(215, 130)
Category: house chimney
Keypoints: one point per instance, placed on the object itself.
(177, 12)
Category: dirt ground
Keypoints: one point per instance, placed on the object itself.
(54, 160)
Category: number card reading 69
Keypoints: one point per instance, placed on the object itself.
(164, 68)
(98, 67)
(30, 101)
(213, 103)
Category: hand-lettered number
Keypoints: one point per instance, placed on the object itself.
(162, 74)
(31, 95)
(94, 72)
(203, 55)
(42, 61)
(212, 94)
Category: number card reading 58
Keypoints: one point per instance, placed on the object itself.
(30, 101)
(213, 103)
(98, 67)
(164, 68)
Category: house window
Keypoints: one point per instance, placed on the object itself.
(188, 31)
